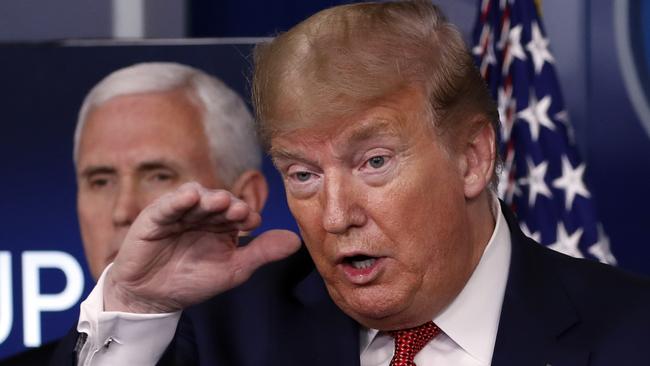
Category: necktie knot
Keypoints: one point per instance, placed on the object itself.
(408, 342)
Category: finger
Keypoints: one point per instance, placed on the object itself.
(270, 246)
(211, 203)
(243, 216)
(172, 206)
(219, 226)
(218, 223)
(237, 215)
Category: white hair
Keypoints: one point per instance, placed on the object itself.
(227, 122)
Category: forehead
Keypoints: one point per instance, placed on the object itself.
(135, 126)
(400, 114)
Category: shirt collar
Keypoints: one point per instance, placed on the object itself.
(472, 318)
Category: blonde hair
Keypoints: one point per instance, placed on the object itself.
(342, 59)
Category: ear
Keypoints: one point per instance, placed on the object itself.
(251, 187)
(478, 157)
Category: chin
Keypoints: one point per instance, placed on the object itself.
(373, 307)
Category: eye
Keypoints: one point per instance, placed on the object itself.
(162, 177)
(377, 166)
(301, 180)
(302, 176)
(98, 183)
(377, 162)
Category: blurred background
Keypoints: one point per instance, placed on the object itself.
(52, 52)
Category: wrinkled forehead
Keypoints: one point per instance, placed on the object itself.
(400, 113)
(320, 121)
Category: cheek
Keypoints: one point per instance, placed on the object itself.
(213, 181)
(93, 216)
(93, 234)
(148, 196)
(94, 237)
(95, 224)
(420, 214)
(148, 193)
(308, 216)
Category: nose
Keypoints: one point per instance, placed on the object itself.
(341, 205)
(126, 206)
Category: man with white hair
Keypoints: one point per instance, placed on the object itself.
(146, 129)
(141, 132)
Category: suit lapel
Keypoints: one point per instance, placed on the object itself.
(337, 341)
(64, 353)
(536, 310)
(324, 333)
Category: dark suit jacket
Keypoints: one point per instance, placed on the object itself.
(556, 311)
(53, 353)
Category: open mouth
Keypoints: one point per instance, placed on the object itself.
(361, 269)
(360, 261)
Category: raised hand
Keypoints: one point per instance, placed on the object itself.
(182, 249)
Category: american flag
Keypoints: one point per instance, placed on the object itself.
(543, 174)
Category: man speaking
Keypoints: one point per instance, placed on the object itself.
(385, 135)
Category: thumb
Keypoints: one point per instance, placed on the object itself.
(270, 246)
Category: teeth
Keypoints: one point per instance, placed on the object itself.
(367, 263)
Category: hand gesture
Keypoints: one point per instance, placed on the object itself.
(182, 249)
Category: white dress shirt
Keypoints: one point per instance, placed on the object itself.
(117, 338)
(469, 324)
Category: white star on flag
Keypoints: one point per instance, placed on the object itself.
(506, 107)
(567, 244)
(536, 114)
(503, 185)
(571, 182)
(505, 30)
(490, 58)
(514, 47)
(478, 49)
(563, 117)
(535, 236)
(601, 249)
(538, 48)
(485, 49)
(516, 191)
(535, 181)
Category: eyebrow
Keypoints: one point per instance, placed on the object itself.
(373, 129)
(146, 166)
(97, 169)
(280, 154)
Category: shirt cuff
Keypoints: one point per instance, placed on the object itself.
(118, 338)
